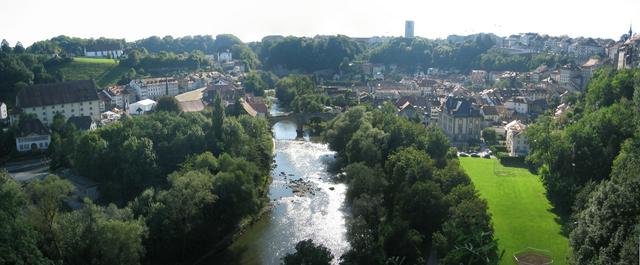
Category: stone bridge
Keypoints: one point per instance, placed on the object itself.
(302, 118)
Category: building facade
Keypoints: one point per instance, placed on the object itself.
(73, 98)
(408, 29)
(153, 88)
(32, 135)
(517, 142)
(104, 51)
(460, 120)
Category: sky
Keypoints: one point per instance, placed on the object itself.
(32, 20)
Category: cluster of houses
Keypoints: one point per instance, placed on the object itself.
(86, 106)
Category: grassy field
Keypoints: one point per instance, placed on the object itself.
(105, 71)
(520, 211)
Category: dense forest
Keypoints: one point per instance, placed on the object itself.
(308, 54)
(173, 186)
(589, 160)
(407, 193)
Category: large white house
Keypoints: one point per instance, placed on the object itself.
(517, 142)
(153, 88)
(460, 120)
(32, 135)
(73, 98)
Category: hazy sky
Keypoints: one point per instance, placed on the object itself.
(32, 20)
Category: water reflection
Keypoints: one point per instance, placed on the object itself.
(317, 215)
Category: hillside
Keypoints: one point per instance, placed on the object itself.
(105, 71)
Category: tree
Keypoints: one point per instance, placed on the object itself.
(48, 196)
(607, 229)
(489, 135)
(217, 123)
(169, 104)
(19, 49)
(184, 201)
(18, 239)
(5, 47)
(308, 253)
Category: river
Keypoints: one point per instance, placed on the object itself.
(317, 215)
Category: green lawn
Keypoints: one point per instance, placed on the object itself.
(105, 71)
(520, 211)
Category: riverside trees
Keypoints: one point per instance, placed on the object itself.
(415, 200)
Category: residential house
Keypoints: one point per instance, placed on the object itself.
(585, 49)
(478, 77)
(154, 88)
(490, 114)
(517, 104)
(120, 96)
(141, 106)
(588, 68)
(408, 111)
(72, 98)
(629, 54)
(225, 57)
(228, 92)
(460, 120)
(258, 105)
(517, 143)
(32, 135)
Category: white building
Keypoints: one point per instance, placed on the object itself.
(141, 106)
(3, 111)
(113, 50)
(73, 98)
(517, 104)
(517, 143)
(32, 135)
(460, 120)
(225, 57)
(153, 88)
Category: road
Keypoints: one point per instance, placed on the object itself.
(29, 169)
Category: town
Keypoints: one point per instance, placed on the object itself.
(507, 145)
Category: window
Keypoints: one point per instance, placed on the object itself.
(72, 110)
(42, 107)
(34, 109)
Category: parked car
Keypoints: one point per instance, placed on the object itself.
(462, 154)
(486, 156)
(475, 155)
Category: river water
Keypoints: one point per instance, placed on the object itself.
(317, 215)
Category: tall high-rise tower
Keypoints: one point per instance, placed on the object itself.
(408, 29)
